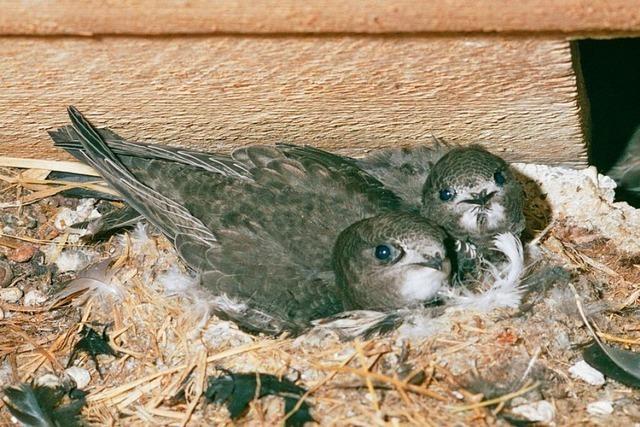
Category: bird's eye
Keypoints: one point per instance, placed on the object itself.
(447, 194)
(388, 253)
(383, 252)
(499, 178)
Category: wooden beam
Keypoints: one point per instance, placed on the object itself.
(350, 94)
(79, 17)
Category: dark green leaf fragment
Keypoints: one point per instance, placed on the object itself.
(39, 406)
(620, 365)
(94, 344)
(238, 390)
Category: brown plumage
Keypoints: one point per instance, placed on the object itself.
(259, 226)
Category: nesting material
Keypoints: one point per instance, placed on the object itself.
(6, 274)
(586, 197)
(467, 366)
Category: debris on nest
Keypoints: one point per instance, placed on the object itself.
(237, 390)
(56, 405)
(93, 344)
(512, 364)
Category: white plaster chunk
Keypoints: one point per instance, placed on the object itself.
(540, 412)
(586, 373)
(34, 297)
(601, 407)
(587, 198)
(80, 375)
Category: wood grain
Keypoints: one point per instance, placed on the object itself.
(28, 17)
(345, 93)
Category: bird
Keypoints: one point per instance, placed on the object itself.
(404, 171)
(626, 171)
(470, 192)
(475, 197)
(279, 237)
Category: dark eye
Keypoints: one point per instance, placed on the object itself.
(499, 178)
(383, 252)
(447, 194)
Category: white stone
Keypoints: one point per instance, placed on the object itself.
(34, 297)
(73, 260)
(540, 412)
(586, 373)
(601, 407)
(80, 375)
(11, 295)
(66, 217)
(458, 395)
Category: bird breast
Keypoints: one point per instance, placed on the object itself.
(478, 219)
(422, 283)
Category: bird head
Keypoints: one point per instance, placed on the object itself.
(390, 261)
(473, 195)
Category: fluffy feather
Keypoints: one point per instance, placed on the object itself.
(359, 323)
(424, 323)
(506, 289)
(96, 281)
(73, 259)
(180, 283)
(140, 240)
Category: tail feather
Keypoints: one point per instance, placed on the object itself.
(169, 216)
(91, 140)
(69, 139)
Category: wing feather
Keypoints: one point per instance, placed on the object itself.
(161, 211)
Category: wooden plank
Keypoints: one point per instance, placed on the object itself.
(28, 17)
(348, 93)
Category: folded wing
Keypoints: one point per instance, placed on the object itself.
(259, 225)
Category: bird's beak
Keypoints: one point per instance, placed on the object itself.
(436, 263)
(481, 198)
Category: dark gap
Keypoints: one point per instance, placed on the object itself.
(611, 73)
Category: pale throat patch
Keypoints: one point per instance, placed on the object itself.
(422, 284)
(494, 214)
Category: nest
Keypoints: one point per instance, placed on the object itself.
(506, 366)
